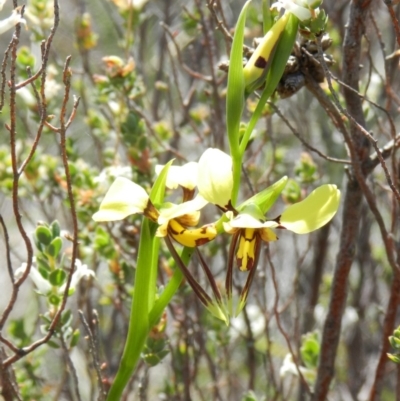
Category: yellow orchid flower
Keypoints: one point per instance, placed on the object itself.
(250, 227)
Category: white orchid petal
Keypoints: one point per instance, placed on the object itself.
(122, 199)
(215, 179)
(185, 176)
(246, 221)
(297, 8)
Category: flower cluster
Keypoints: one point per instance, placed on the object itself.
(212, 176)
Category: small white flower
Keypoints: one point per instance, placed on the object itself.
(80, 272)
(44, 286)
(40, 282)
(289, 366)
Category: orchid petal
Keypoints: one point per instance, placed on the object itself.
(185, 176)
(244, 220)
(313, 212)
(298, 10)
(175, 211)
(215, 178)
(122, 199)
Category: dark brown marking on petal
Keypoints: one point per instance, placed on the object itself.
(201, 241)
(173, 232)
(261, 63)
(248, 267)
(278, 219)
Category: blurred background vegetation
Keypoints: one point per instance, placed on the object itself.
(152, 88)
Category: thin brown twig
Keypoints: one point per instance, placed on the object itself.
(8, 252)
(3, 73)
(368, 135)
(279, 323)
(71, 368)
(12, 128)
(93, 349)
(53, 326)
(303, 141)
(191, 72)
(395, 22)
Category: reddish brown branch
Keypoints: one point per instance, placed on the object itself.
(359, 149)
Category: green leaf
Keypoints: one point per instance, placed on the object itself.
(75, 338)
(267, 16)
(53, 344)
(43, 235)
(55, 228)
(55, 246)
(235, 88)
(313, 212)
(57, 277)
(66, 317)
(266, 198)
(310, 349)
(158, 189)
(394, 358)
(44, 272)
(147, 261)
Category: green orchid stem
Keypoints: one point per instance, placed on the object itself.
(139, 318)
(236, 171)
(170, 289)
(140, 321)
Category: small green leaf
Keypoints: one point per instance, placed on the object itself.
(394, 358)
(55, 246)
(66, 317)
(53, 344)
(44, 272)
(55, 228)
(41, 261)
(266, 198)
(249, 396)
(75, 338)
(57, 277)
(43, 235)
